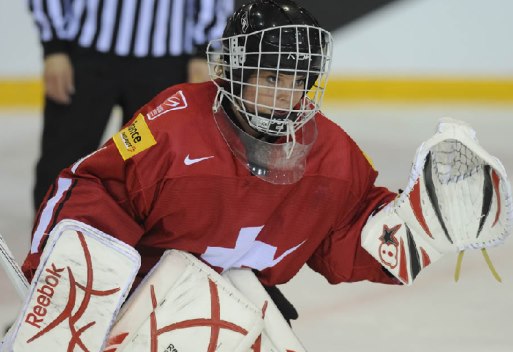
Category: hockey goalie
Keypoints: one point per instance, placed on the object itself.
(174, 234)
(183, 304)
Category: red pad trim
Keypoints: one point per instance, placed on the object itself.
(496, 180)
(417, 207)
(403, 269)
(425, 257)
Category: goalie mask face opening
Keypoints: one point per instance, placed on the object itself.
(272, 65)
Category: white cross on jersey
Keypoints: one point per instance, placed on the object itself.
(247, 252)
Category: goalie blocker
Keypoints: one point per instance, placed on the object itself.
(458, 197)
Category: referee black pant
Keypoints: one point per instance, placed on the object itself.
(102, 81)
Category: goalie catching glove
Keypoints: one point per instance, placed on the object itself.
(458, 197)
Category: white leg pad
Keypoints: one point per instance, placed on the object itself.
(277, 335)
(83, 278)
(183, 305)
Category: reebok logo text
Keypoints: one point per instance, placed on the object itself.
(46, 292)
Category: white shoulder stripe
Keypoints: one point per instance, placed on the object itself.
(63, 184)
(77, 163)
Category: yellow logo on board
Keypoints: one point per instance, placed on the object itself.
(134, 138)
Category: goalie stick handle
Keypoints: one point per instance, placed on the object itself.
(13, 270)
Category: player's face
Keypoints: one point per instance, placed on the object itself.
(274, 94)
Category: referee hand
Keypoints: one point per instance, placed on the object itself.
(58, 78)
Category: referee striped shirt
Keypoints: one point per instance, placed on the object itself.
(139, 28)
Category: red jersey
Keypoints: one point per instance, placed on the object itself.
(168, 180)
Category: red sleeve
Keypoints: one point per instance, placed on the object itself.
(340, 257)
(93, 191)
(104, 190)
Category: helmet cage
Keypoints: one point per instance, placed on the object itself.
(301, 51)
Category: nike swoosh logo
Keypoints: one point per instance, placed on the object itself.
(188, 161)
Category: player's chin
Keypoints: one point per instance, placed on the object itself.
(276, 114)
(280, 114)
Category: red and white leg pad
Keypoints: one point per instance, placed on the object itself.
(83, 278)
(184, 305)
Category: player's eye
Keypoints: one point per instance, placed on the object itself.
(272, 79)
